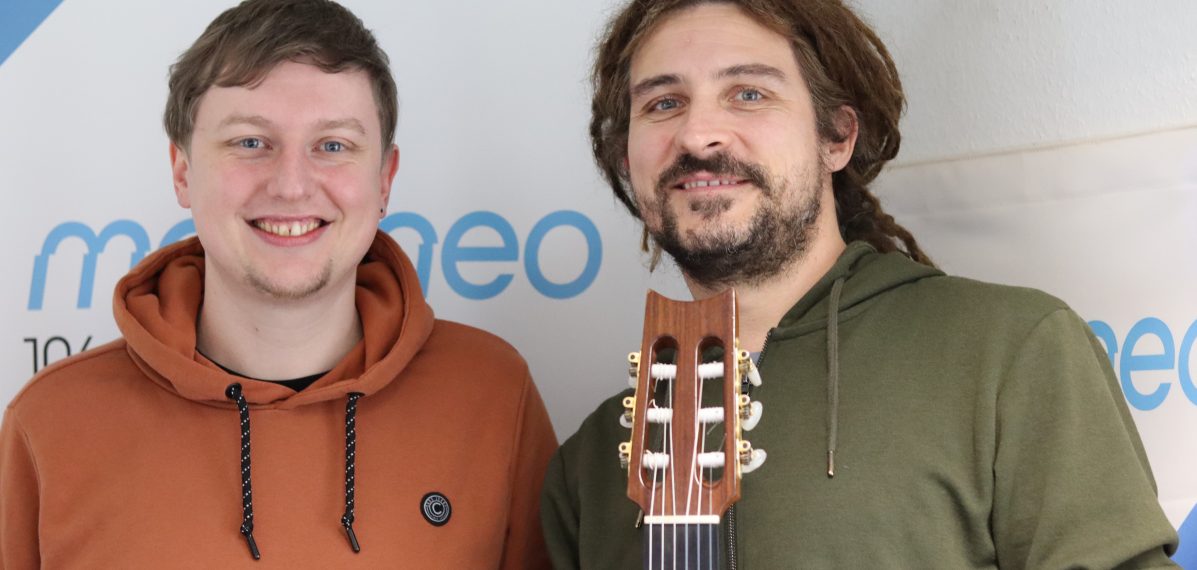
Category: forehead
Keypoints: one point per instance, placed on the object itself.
(709, 37)
(294, 93)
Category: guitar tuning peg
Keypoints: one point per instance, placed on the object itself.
(750, 459)
(629, 407)
(633, 368)
(751, 415)
(750, 412)
(748, 368)
(755, 459)
(625, 420)
(625, 454)
(754, 375)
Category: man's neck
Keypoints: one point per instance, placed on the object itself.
(762, 305)
(273, 339)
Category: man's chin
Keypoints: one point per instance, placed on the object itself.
(712, 240)
(289, 289)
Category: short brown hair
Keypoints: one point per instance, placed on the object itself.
(844, 64)
(244, 43)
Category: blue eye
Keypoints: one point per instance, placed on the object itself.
(251, 143)
(750, 95)
(664, 105)
(332, 146)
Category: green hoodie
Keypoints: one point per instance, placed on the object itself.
(973, 426)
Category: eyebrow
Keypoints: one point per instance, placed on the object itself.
(255, 120)
(757, 69)
(350, 124)
(263, 122)
(654, 82)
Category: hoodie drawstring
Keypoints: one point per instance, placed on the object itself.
(233, 392)
(833, 372)
(350, 453)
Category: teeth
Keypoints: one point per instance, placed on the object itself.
(707, 183)
(285, 229)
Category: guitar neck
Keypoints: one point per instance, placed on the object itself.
(683, 546)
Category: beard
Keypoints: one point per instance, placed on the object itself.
(778, 233)
(288, 292)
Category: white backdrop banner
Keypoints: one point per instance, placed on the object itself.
(1108, 227)
(498, 203)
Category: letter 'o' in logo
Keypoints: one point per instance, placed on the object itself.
(436, 509)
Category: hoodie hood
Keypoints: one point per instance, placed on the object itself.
(157, 306)
(864, 274)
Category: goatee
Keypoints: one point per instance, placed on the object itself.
(779, 232)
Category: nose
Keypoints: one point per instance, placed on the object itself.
(292, 178)
(704, 131)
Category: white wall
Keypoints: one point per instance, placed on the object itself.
(984, 77)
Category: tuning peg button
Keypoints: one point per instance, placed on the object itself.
(755, 460)
(754, 375)
(755, 409)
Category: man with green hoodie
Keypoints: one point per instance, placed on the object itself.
(912, 419)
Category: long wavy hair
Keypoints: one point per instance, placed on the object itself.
(844, 64)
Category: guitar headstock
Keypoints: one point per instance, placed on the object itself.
(686, 454)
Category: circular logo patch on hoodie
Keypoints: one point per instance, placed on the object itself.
(436, 509)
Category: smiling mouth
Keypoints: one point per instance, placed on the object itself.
(289, 228)
(710, 183)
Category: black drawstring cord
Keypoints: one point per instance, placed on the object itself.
(350, 453)
(233, 392)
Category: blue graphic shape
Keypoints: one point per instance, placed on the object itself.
(427, 236)
(1186, 555)
(18, 20)
(454, 253)
(177, 232)
(594, 254)
(95, 246)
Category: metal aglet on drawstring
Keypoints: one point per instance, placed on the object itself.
(357, 547)
(253, 544)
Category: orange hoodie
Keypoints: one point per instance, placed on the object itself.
(130, 455)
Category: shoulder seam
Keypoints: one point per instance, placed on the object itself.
(66, 363)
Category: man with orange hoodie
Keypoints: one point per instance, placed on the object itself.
(381, 437)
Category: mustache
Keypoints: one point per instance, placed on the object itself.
(721, 164)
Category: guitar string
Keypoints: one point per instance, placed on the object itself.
(697, 406)
(700, 441)
(652, 508)
(672, 467)
(668, 443)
